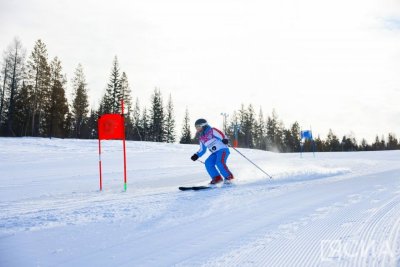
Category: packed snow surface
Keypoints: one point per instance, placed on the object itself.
(334, 209)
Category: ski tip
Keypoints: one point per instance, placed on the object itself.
(184, 188)
(195, 188)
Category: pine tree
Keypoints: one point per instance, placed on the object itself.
(320, 144)
(145, 125)
(279, 136)
(136, 122)
(392, 143)
(376, 144)
(15, 60)
(38, 82)
(3, 91)
(364, 145)
(241, 118)
(382, 144)
(332, 142)
(186, 136)
(234, 128)
(111, 100)
(126, 93)
(56, 108)
(157, 118)
(260, 131)
(69, 126)
(80, 104)
(349, 143)
(248, 127)
(170, 122)
(92, 125)
(273, 137)
(295, 137)
(22, 111)
(379, 144)
(287, 141)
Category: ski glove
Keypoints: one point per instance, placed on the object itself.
(225, 141)
(194, 157)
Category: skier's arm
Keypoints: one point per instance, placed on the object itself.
(220, 136)
(202, 150)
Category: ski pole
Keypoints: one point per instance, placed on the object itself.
(251, 162)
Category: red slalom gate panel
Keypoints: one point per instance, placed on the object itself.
(111, 126)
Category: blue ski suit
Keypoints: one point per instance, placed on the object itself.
(211, 139)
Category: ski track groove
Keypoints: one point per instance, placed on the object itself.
(45, 213)
(347, 216)
(378, 227)
(306, 224)
(286, 231)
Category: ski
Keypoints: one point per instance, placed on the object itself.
(195, 188)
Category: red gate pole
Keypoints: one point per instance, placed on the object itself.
(123, 142)
(101, 178)
(125, 182)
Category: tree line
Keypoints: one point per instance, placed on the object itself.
(254, 130)
(33, 102)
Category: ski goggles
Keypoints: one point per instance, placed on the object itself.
(200, 125)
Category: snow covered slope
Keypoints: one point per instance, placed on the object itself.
(337, 209)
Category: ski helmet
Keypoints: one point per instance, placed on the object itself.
(201, 122)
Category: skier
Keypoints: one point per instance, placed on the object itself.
(217, 144)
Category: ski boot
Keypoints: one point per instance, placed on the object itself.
(216, 180)
(228, 180)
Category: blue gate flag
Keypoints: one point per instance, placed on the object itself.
(306, 135)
